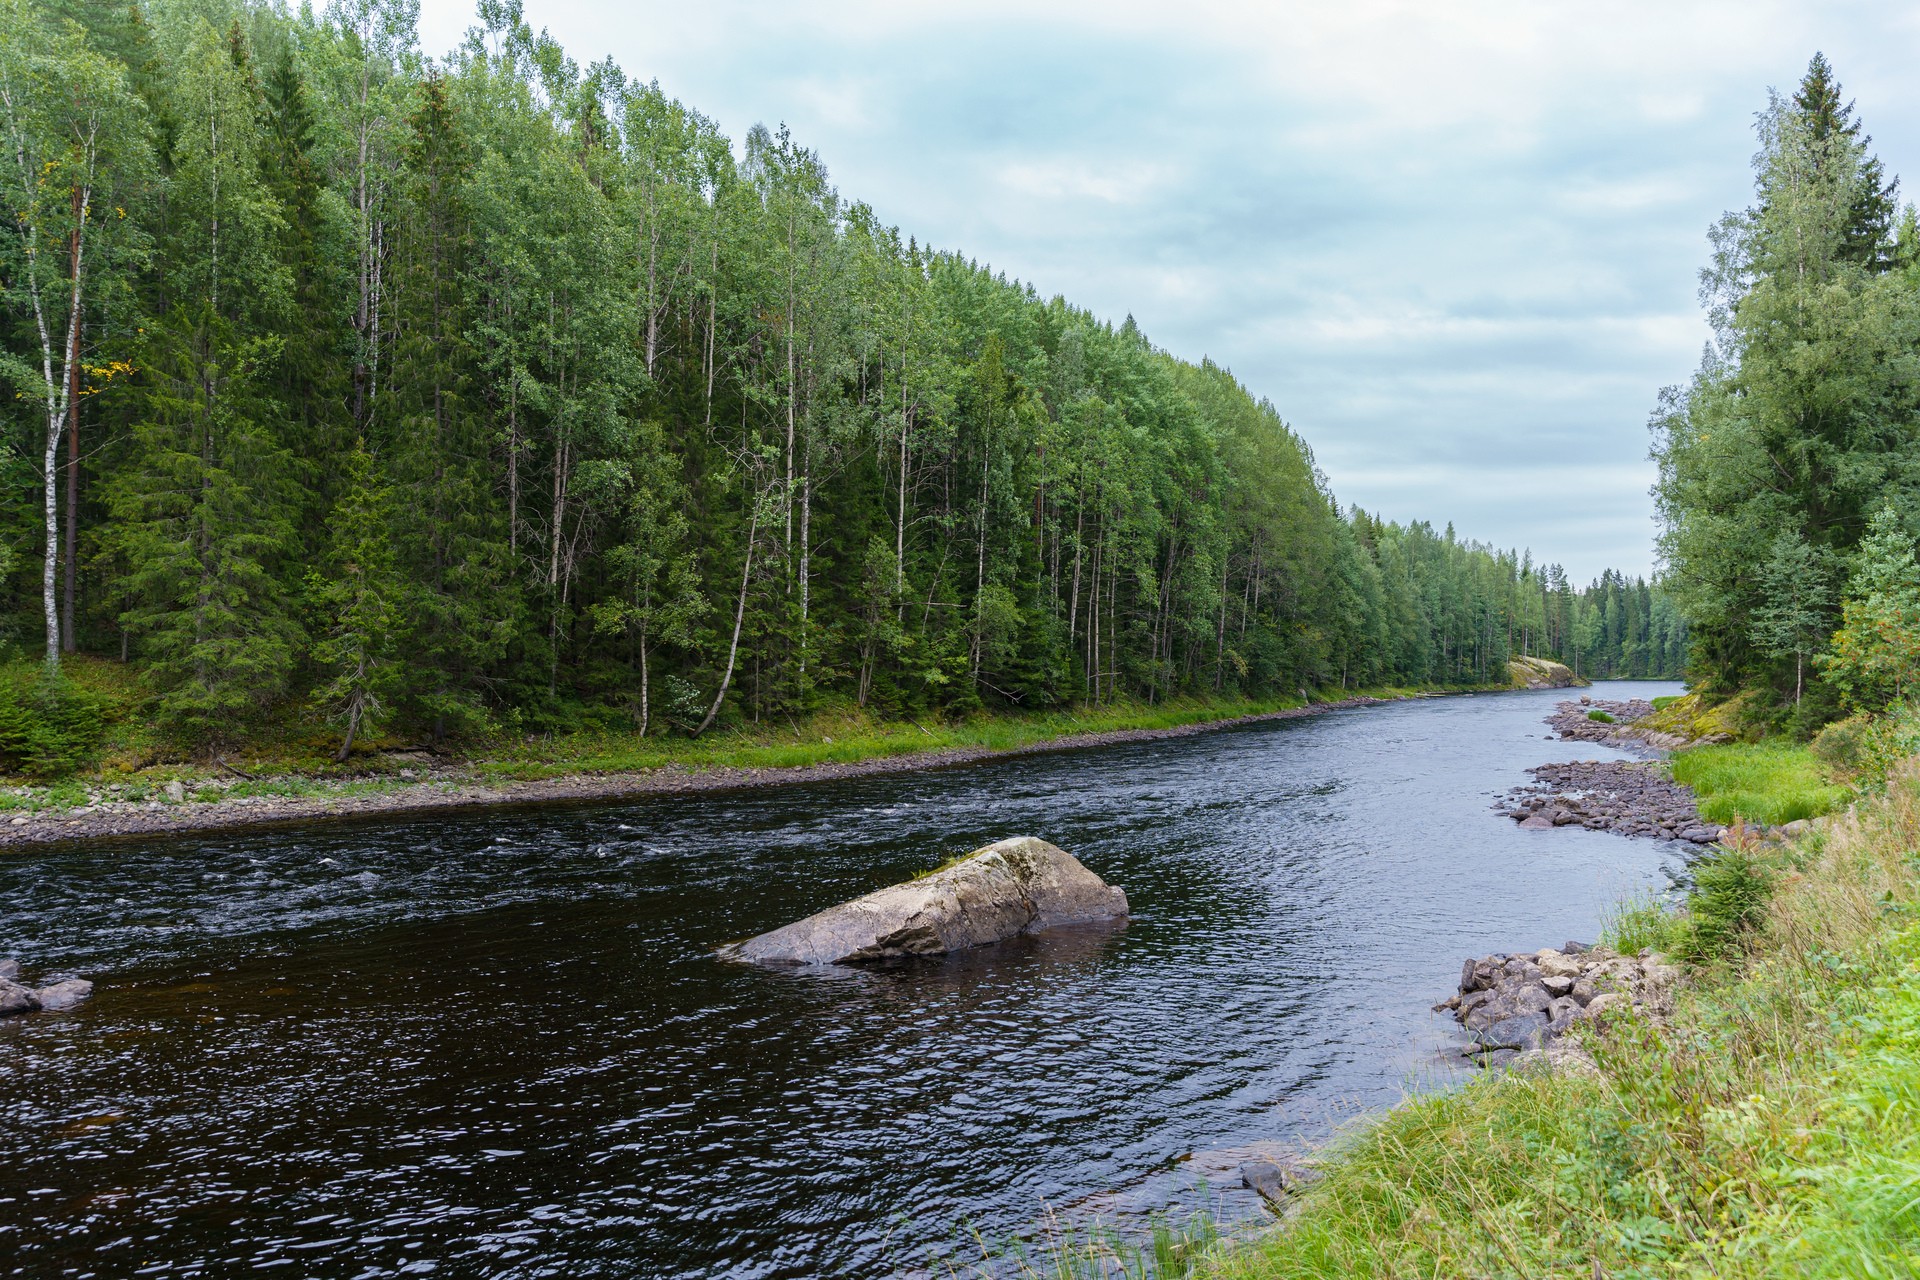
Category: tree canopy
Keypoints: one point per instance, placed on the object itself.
(425, 395)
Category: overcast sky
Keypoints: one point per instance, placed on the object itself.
(1454, 243)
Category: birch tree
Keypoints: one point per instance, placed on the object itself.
(69, 120)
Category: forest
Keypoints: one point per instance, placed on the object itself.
(440, 396)
(1789, 482)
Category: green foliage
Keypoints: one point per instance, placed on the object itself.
(1769, 783)
(495, 394)
(1800, 421)
(1642, 923)
(1876, 651)
(1731, 888)
(1599, 715)
(1844, 745)
(205, 527)
(49, 725)
(359, 601)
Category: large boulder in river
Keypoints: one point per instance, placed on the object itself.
(1016, 886)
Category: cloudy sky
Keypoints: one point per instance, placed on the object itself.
(1454, 242)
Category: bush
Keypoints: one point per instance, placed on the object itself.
(1601, 716)
(1844, 745)
(48, 726)
(1729, 900)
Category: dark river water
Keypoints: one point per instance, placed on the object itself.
(496, 1043)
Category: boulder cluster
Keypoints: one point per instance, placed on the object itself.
(1626, 797)
(16, 997)
(1510, 1005)
(1572, 720)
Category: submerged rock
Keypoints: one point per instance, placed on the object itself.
(65, 995)
(1022, 885)
(1272, 1181)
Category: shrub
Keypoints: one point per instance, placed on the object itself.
(1601, 716)
(1729, 900)
(1845, 744)
(48, 726)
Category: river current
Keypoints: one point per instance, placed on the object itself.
(497, 1042)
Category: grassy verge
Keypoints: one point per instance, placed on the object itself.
(292, 760)
(1769, 1127)
(1770, 783)
(847, 735)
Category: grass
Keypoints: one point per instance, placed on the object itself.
(1639, 923)
(293, 759)
(1765, 782)
(1768, 1127)
(1602, 716)
(847, 734)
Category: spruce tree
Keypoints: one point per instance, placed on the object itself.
(360, 596)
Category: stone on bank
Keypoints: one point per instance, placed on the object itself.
(1022, 885)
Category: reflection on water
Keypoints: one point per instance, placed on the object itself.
(498, 1043)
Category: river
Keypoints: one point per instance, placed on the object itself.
(496, 1042)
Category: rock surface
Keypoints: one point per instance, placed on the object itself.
(1517, 1004)
(1022, 885)
(64, 995)
(1273, 1182)
(1543, 673)
(17, 997)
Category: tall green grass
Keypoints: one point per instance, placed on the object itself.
(1764, 782)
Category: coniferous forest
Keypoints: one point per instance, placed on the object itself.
(428, 396)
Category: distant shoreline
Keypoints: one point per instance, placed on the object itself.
(124, 819)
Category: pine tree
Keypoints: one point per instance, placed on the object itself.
(1794, 618)
(1874, 199)
(205, 518)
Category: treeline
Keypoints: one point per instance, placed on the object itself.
(1789, 477)
(431, 395)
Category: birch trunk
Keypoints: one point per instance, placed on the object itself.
(739, 615)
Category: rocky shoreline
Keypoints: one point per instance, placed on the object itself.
(1514, 1005)
(1625, 797)
(450, 789)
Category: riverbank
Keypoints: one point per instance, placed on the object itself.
(1762, 1124)
(824, 749)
